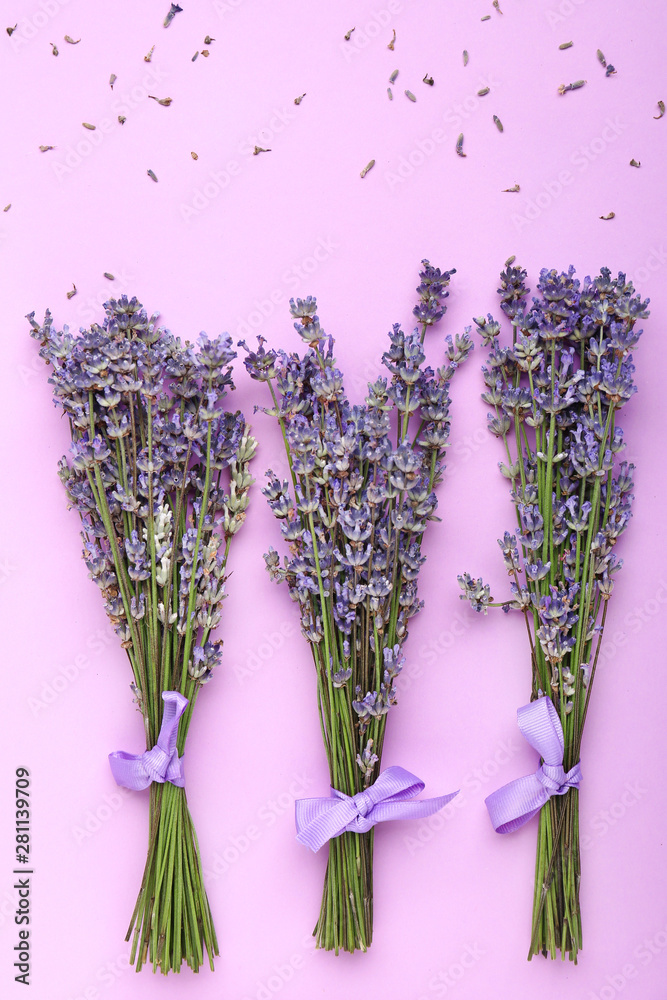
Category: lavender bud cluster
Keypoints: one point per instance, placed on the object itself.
(361, 493)
(159, 473)
(555, 393)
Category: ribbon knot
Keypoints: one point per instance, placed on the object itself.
(363, 804)
(517, 802)
(556, 781)
(156, 763)
(161, 763)
(391, 796)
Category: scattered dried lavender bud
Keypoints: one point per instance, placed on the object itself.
(208, 40)
(258, 149)
(152, 175)
(483, 92)
(510, 260)
(487, 17)
(393, 41)
(459, 146)
(348, 34)
(70, 295)
(496, 4)
(566, 45)
(392, 78)
(410, 96)
(466, 57)
(54, 48)
(7, 207)
(109, 276)
(512, 190)
(122, 119)
(611, 70)
(205, 53)
(173, 11)
(149, 55)
(612, 215)
(10, 31)
(72, 41)
(196, 55)
(564, 87)
(499, 124)
(389, 94)
(298, 100)
(635, 163)
(601, 58)
(89, 126)
(164, 101)
(369, 166)
(428, 80)
(112, 80)
(194, 156)
(45, 149)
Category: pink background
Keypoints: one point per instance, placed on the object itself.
(220, 255)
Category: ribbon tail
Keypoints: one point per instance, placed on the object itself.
(414, 809)
(395, 784)
(541, 727)
(161, 763)
(319, 820)
(516, 803)
(174, 705)
(128, 770)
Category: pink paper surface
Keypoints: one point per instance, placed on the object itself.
(221, 243)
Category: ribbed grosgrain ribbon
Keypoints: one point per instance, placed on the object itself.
(162, 763)
(391, 796)
(517, 802)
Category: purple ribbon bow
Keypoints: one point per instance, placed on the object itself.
(319, 820)
(517, 802)
(162, 763)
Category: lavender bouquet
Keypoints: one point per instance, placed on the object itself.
(353, 515)
(556, 391)
(159, 475)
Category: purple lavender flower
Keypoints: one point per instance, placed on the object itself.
(476, 592)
